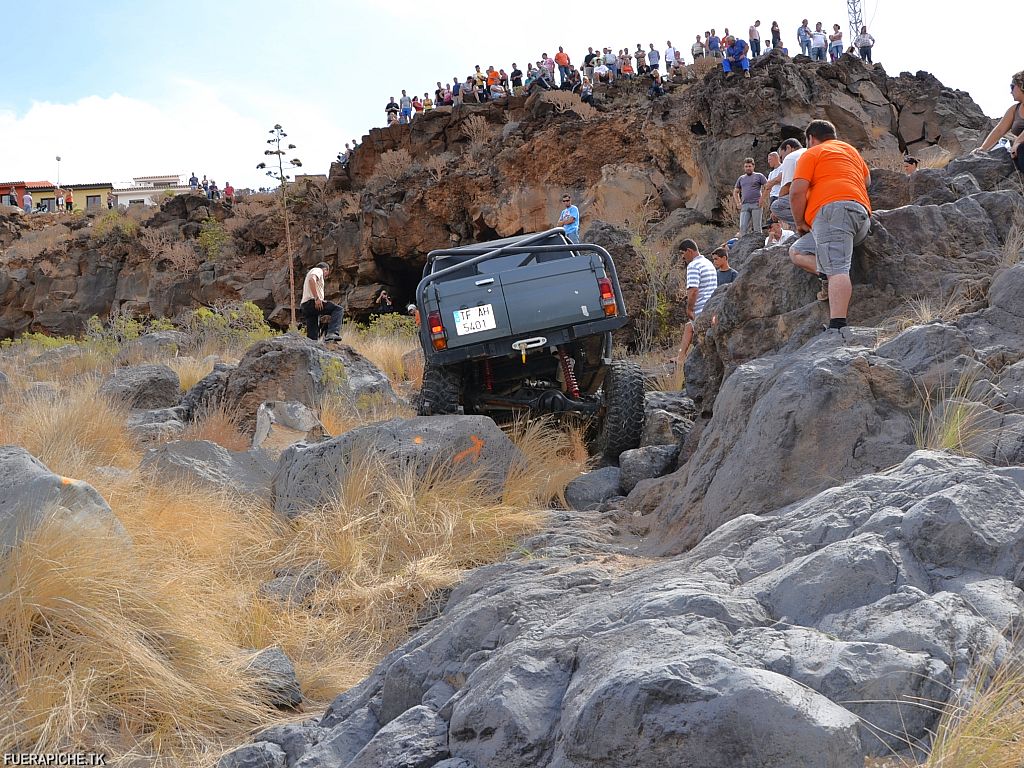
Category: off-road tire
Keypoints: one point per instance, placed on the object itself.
(622, 424)
(439, 393)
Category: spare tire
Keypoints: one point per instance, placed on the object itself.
(622, 422)
(440, 391)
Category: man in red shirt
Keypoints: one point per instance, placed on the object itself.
(833, 213)
(229, 193)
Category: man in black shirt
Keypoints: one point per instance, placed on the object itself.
(391, 109)
(516, 75)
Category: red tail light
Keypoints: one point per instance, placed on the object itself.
(607, 297)
(437, 335)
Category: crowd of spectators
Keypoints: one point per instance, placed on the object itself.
(605, 66)
(209, 188)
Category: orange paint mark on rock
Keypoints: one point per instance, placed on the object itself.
(472, 453)
(418, 439)
(66, 481)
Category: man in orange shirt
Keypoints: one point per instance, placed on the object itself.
(833, 213)
(564, 70)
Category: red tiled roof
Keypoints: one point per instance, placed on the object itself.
(38, 184)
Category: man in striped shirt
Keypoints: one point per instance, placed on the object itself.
(701, 281)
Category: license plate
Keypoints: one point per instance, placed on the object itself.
(474, 319)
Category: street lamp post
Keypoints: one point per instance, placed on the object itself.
(58, 170)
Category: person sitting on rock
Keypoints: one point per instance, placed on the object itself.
(833, 213)
(777, 234)
(1011, 125)
(313, 305)
(735, 56)
(790, 151)
(720, 258)
(587, 91)
(701, 281)
(657, 89)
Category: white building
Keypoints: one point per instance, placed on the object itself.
(148, 190)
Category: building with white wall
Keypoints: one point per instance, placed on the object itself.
(148, 190)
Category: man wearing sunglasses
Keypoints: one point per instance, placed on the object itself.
(570, 219)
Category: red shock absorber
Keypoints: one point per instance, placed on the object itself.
(570, 375)
(488, 376)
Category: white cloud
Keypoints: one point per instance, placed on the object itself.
(113, 138)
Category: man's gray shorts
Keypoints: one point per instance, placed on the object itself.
(837, 228)
(783, 209)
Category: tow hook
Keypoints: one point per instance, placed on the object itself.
(524, 344)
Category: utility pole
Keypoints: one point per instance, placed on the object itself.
(855, 9)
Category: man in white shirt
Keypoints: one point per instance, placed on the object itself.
(777, 234)
(670, 56)
(790, 151)
(771, 189)
(701, 281)
(313, 305)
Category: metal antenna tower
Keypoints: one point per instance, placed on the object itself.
(855, 10)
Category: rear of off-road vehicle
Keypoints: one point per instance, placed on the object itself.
(524, 325)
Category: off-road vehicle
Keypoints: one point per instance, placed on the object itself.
(524, 324)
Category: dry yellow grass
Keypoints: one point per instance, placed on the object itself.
(189, 370)
(137, 650)
(983, 727)
(72, 435)
(388, 351)
(219, 425)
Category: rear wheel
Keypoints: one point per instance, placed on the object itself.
(439, 394)
(622, 424)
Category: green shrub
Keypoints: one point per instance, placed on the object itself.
(391, 324)
(109, 337)
(40, 341)
(113, 221)
(212, 237)
(232, 326)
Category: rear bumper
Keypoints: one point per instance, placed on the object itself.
(503, 347)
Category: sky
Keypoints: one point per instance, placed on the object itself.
(120, 89)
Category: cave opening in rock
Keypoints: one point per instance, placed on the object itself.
(698, 129)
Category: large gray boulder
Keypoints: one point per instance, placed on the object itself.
(997, 332)
(261, 754)
(155, 425)
(817, 634)
(274, 673)
(294, 368)
(153, 345)
(206, 464)
(786, 426)
(591, 489)
(207, 393)
(646, 462)
(310, 476)
(31, 494)
(143, 386)
(279, 424)
(417, 738)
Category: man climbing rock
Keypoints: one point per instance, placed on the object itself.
(701, 281)
(832, 212)
(313, 305)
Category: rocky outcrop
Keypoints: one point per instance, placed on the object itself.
(812, 634)
(674, 159)
(31, 495)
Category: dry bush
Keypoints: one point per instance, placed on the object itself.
(435, 166)
(891, 160)
(35, 242)
(658, 278)
(183, 257)
(477, 130)
(393, 165)
(220, 425)
(930, 309)
(706, 236)
(730, 213)
(570, 102)
(953, 420)
(1013, 246)
(155, 241)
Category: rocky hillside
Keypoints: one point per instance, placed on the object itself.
(480, 172)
